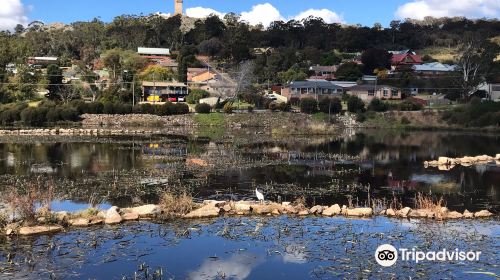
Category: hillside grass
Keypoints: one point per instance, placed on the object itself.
(212, 119)
(442, 54)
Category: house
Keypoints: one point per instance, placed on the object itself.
(159, 92)
(323, 72)
(492, 91)
(42, 61)
(368, 92)
(262, 51)
(311, 88)
(405, 60)
(434, 68)
(200, 75)
(153, 51)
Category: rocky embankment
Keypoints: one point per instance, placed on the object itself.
(60, 221)
(445, 163)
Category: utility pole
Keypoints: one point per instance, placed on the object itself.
(133, 90)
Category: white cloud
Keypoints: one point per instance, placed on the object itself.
(262, 13)
(327, 15)
(266, 13)
(12, 12)
(418, 9)
(201, 12)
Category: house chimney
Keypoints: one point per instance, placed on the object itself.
(178, 7)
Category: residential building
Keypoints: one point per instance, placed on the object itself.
(323, 72)
(311, 88)
(368, 92)
(405, 60)
(159, 56)
(159, 92)
(200, 75)
(434, 68)
(42, 61)
(153, 51)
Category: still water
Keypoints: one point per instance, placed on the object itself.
(353, 169)
(326, 170)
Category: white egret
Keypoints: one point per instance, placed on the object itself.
(260, 196)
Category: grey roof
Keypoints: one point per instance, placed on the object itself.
(314, 84)
(435, 67)
(366, 87)
(153, 51)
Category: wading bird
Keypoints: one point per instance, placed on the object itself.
(260, 196)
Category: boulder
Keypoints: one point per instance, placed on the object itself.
(484, 158)
(242, 207)
(390, 212)
(304, 213)
(286, 203)
(215, 203)
(483, 214)
(382, 213)
(454, 215)
(79, 222)
(206, 211)
(359, 212)
(263, 209)
(40, 230)
(61, 215)
(289, 209)
(318, 209)
(227, 208)
(443, 160)
(344, 209)
(404, 212)
(418, 213)
(132, 216)
(146, 210)
(276, 212)
(96, 221)
(468, 214)
(333, 210)
(112, 216)
(497, 157)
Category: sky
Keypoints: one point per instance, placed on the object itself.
(364, 12)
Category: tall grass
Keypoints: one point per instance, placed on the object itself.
(175, 205)
(27, 199)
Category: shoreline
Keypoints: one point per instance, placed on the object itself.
(54, 222)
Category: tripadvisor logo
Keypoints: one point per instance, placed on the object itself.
(387, 255)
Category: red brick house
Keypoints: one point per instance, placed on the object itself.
(405, 60)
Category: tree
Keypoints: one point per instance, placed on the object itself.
(475, 57)
(244, 78)
(349, 71)
(55, 78)
(112, 60)
(330, 105)
(308, 105)
(292, 74)
(212, 47)
(156, 73)
(375, 59)
(355, 104)
(195, 95)
(378, 105)
(203, 108)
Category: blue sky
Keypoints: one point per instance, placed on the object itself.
(365, 12)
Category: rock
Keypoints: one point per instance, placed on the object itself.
(418, 213)
(206, 211)
(215, 203)
(497, 157)
(290, 209)
(484, 158)
(276, 212)
(101, 215)
(132, 216)
(9, 231)
(112, 216)
(443, 160)
(61, 215)
(344, 209)
(79, 222)
(454, 215)
(97, 221)
(404, 212)
(468, 214)
(227, 208)
(318, 209)
(304, 213)
(286, 203)
(40, 230)
(262, 209)
(390, 212)
(382, 213)
(483, 214)
(333, 210)
(146, 210)
(241, 207)
(359, 212)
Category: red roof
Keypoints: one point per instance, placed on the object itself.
(407, 58)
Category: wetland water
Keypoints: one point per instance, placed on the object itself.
(348, 169)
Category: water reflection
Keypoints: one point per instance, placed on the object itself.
(236, 267)
(324, 169)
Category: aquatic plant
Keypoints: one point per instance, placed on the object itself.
(24, 197)
(428, 202)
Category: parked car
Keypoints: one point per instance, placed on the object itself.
(181, 99)
(172, 99)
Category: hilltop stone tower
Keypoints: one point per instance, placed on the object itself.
(178, 7)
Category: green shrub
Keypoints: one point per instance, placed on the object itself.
(68, 114)
(250, 109)
(330, 105)
(355, 104)
(195, 95)
(378, 105)
(308, 105)
(32, 116)
(405, 121)
(409, 106)
(53, 115)
(360, 116)
(203, 108)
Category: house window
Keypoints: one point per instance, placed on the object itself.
(386, 93)
(394, 93)
(371, 93)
